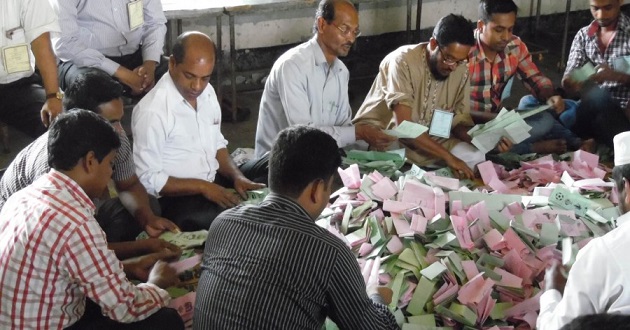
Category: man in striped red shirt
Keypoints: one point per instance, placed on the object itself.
(54, 255)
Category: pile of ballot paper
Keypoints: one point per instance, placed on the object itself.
(455, 257)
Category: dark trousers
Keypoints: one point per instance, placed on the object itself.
(68, 71)
(600, 117)
(21, 104)
(118, 224)
(195, 212)
(93, 319)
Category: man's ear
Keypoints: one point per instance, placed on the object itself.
(317, 187)
(626, 187)
(171, 62)
(320, 24)
(89, 162)
(480, 26)
(433, 44)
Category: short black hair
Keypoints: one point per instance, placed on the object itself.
(599, 321)
(487, 8)
(90, 89)
(454, 29)
(75, 133)
(299, 156)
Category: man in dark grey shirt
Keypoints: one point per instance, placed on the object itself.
(271, 267)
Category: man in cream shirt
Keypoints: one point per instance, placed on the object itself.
(599, 277)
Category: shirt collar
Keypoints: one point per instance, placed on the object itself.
(622, 25)
(275, 198)
(63, 181)
(318, 55)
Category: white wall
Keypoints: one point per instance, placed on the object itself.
(254, 30)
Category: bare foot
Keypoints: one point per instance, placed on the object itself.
(589, 146)
(550, 147)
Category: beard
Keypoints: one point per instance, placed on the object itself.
(433, 67)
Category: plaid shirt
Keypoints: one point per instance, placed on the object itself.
(487, 79)
(585, 49)
(53, 255)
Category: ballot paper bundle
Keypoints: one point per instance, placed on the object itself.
(386, 163)
(509, 124)
(460, 258)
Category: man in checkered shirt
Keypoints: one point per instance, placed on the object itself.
(605, 43)
(53, 254)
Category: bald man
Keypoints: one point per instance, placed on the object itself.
(179, 151)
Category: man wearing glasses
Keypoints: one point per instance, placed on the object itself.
(428, 84)
(497, 57)
(308, 84)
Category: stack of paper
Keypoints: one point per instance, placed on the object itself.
(507, 124)
(479, 264)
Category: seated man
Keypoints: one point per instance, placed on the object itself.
(497, 57)
(180, 154)
(308, 84)
(98, 92)
(604, 109)
(26, 105)
(121, 37)
(600, 275)
(271, 267)
(414, 82)
(50, 224)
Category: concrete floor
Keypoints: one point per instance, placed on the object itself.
(241, 134)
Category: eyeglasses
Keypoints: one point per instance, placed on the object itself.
(449, 61)
(346, 31)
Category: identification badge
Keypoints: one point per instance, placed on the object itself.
(441, 123)
(136, 14)
(16, 58)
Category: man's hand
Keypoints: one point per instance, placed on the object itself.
(504, 145)
(163, 275)
(147, 72)
(131, 79)
(606, 73)
(243, 184)
(51, 109)
(374, 136)
(140, 268)
(372, 285)
(152, 245)
(459, 168)
(220, 195)
(555, 278)
(157, 225)
(557, 103)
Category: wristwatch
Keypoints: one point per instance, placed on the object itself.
(58, 95)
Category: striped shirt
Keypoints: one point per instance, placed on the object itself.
(488, 79)
(53, 255)
(271, 267)
(92, 30)
(585, 49)
(32, 162)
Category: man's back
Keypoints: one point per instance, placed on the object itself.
(271, 267)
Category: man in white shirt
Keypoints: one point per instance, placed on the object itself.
(599, 277)
(121, 37)
(308, 84)
(179, 151)
(27, 26)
